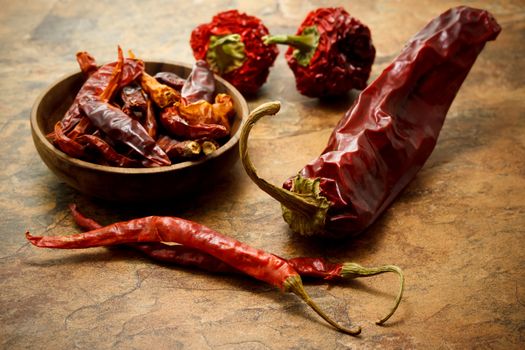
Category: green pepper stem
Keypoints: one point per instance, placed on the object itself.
(295, 285)
(353, 270)
(287, 198)
(303, 42)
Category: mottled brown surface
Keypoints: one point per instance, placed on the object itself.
(458, 229)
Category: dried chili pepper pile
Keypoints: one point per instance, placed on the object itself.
(331, 53)
(233, 47)
(201, 247)
(122, 116)
(381, 143)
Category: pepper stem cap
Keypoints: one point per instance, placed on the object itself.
(304, 210)
(225, 53)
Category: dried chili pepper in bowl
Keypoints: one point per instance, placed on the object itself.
(105, 159)
(380, 144)
(331, 53)
(233, 47)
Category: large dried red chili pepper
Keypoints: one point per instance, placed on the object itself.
(253, 262)
(380, 144)
(232, 45)
(331, 53)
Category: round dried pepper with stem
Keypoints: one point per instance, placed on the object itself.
(330, 54)
(232, 45)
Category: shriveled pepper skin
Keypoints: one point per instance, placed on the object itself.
(254, 262)
(121, 128)
(187, 256)
(96, 84)
(258, 57)
(343, 58)
(385, 138)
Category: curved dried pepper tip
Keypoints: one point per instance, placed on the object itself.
(352, 270)
(233, 47)
(331, 53)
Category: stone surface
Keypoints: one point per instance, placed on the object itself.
(457, 230)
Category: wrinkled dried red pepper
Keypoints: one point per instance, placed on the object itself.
(171, 79)
(134, 102)
(87, 63)
(200, 84)
(96, 84)
(380, 144)
(331, 53)
(153, 229)
(232, 45)
(172, 121)
(305, 266)
(179, 150)
(120, 127)
(106, 151)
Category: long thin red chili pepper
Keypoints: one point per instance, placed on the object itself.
(305, 266)
(253, 262)
(381, 143)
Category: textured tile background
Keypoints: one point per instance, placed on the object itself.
(457, 230)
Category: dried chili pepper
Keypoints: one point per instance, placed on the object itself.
(253, 262)
(232, 45)
(175, 124)
(200, 84)
(385, 138)
(96, 84)
(306, 267)
(208, 146)
(120, 127)
(108, 153)
(179, 150)
(203, 112)
(161, 94)
(171, 79)
(331, 53)
(134, 101)
(87, 63)
(138, 106)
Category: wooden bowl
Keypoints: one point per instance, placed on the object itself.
(131, 184)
